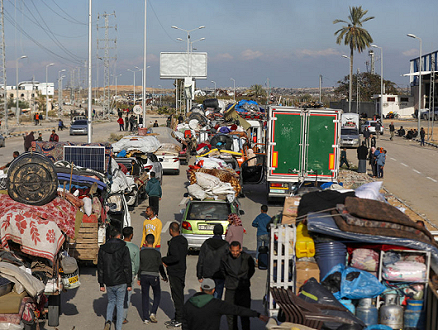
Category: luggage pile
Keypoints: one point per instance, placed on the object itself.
(354, 258)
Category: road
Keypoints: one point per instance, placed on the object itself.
(410, 173)
(85, 307)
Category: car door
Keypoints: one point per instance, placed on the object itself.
(253, 169)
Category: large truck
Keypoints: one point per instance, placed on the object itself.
(350, 137)
(302, 145)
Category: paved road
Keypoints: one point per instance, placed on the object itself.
(85, 307)
(410, 173)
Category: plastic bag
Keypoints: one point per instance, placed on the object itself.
(370, 191)
(355, 283)
(365, 259)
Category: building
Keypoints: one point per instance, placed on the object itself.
(428, 91)
(402, 105)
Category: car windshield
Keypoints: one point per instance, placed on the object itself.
(80, 122)
(349, 131)
(373, 123)
(208, 211)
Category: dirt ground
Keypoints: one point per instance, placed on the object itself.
(413, 123)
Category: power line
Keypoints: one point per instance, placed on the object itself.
(159, 22)
(77, 22)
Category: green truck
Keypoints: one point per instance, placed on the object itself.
(302, 146)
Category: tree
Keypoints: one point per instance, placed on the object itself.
(258, 91)
(369, 85)
(354, 35)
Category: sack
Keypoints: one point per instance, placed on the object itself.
(207, 181)
(69, 265)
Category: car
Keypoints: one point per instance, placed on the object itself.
(434, 115)
(150, 163)
(349, 138)
(134, 194)
(79, 127)
(371, 124)
(168, 154)
(200, 217)
(2, 141)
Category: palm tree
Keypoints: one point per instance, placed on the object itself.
(354, 35)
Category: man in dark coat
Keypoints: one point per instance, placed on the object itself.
(203, 312)
(28, 141)
(362, 153)
(238, 267)
(209, 260)
(175, 262)
(366, 135)
(114, 270)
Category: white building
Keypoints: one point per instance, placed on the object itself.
(402, 105)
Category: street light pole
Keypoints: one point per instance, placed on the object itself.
(419, 80)
(134, 83)
(350, 86)
(161, 92)
(144, 67)
(234, 82)
(214, 82)
(47, 92)
(17, 109)
(90, 91)
(60, 91)
(381, 78)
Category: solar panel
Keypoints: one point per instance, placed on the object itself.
(86, 156)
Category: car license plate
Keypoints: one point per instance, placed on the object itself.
(205, 227)
(278, 191)
(73, 279)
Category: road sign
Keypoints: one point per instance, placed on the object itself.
(137, 110)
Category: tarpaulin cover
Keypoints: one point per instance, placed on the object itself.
(323, 223)
(245, 106)
(55, 150)
(80, 180)
(36, 228)
(144, 144)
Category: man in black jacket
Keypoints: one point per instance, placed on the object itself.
(237, 267)
(203, 312)
(209, 261)
(362, 154)
(115, 272)
(175, 262)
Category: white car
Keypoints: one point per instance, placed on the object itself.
(169, 161)
(371, 124)
(168, 153)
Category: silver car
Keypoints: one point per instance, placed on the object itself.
(150, 164)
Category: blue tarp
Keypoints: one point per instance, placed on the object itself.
(246, 106)
(79, 179)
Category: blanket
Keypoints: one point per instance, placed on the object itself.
(38, 229)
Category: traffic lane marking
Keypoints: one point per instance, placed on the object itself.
(431, 179)
(166, 227)
(404, 164)
(392, 158)
(416, 171)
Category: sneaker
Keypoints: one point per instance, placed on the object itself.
(170, 322)
(177, 324)
(107, 325)
(153, 318)
(146, 322)
(125, 321)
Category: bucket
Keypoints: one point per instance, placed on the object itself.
(414, 316)
(328, 255)
(142, 131)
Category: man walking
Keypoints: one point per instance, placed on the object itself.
(175, 262)
(238, 268)
(115, 272)
(362, 153)
(151, 267)
(152, 225)
(203, 312)
(344, 158)
(378, 125)
(134, 254)
(422, 135)
(209, 260)
(391, 130)
(261, 223)
(366, 135)
(153, 189)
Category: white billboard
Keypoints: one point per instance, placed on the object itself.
(176, 65)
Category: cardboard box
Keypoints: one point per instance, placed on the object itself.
(288, 220)
(291, 206)
(306, 270)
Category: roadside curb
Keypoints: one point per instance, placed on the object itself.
(22, 133)
(428, 143)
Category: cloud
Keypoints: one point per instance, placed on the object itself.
(250, 54)
(317, 53)
(224, 56)
(411, 52)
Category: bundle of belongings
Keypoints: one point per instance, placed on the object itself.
(144, 144)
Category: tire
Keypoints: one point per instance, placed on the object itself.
(54, 310)
(177, 172)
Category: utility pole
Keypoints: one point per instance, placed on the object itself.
(106, 60)
(433, 93)
(3, 68)
(357, 91)
(320, 87)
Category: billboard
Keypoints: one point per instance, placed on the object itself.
(175, 65)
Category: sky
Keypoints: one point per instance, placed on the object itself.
(290, 42)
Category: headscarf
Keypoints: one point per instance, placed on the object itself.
(235, 219)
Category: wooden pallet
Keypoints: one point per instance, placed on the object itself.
(85, 247)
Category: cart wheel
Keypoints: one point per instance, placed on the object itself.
(54, 310)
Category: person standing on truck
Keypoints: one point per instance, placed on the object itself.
(209, 260)
(366, 136)
(238, 268)
(362, 153)
(344, 158)
(153, 189)
(114, 271)
(391, 130)
(152, 225)
(134, 254)
(261, 223)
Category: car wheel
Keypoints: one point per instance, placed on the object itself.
(177, 172)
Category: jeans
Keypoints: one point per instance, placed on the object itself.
(239, 297)
(219, 290)
(147, 281)
(177, 292)
(260, 240)
(154, 202)
(127, 301)
(380, 171)
(116, 298)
